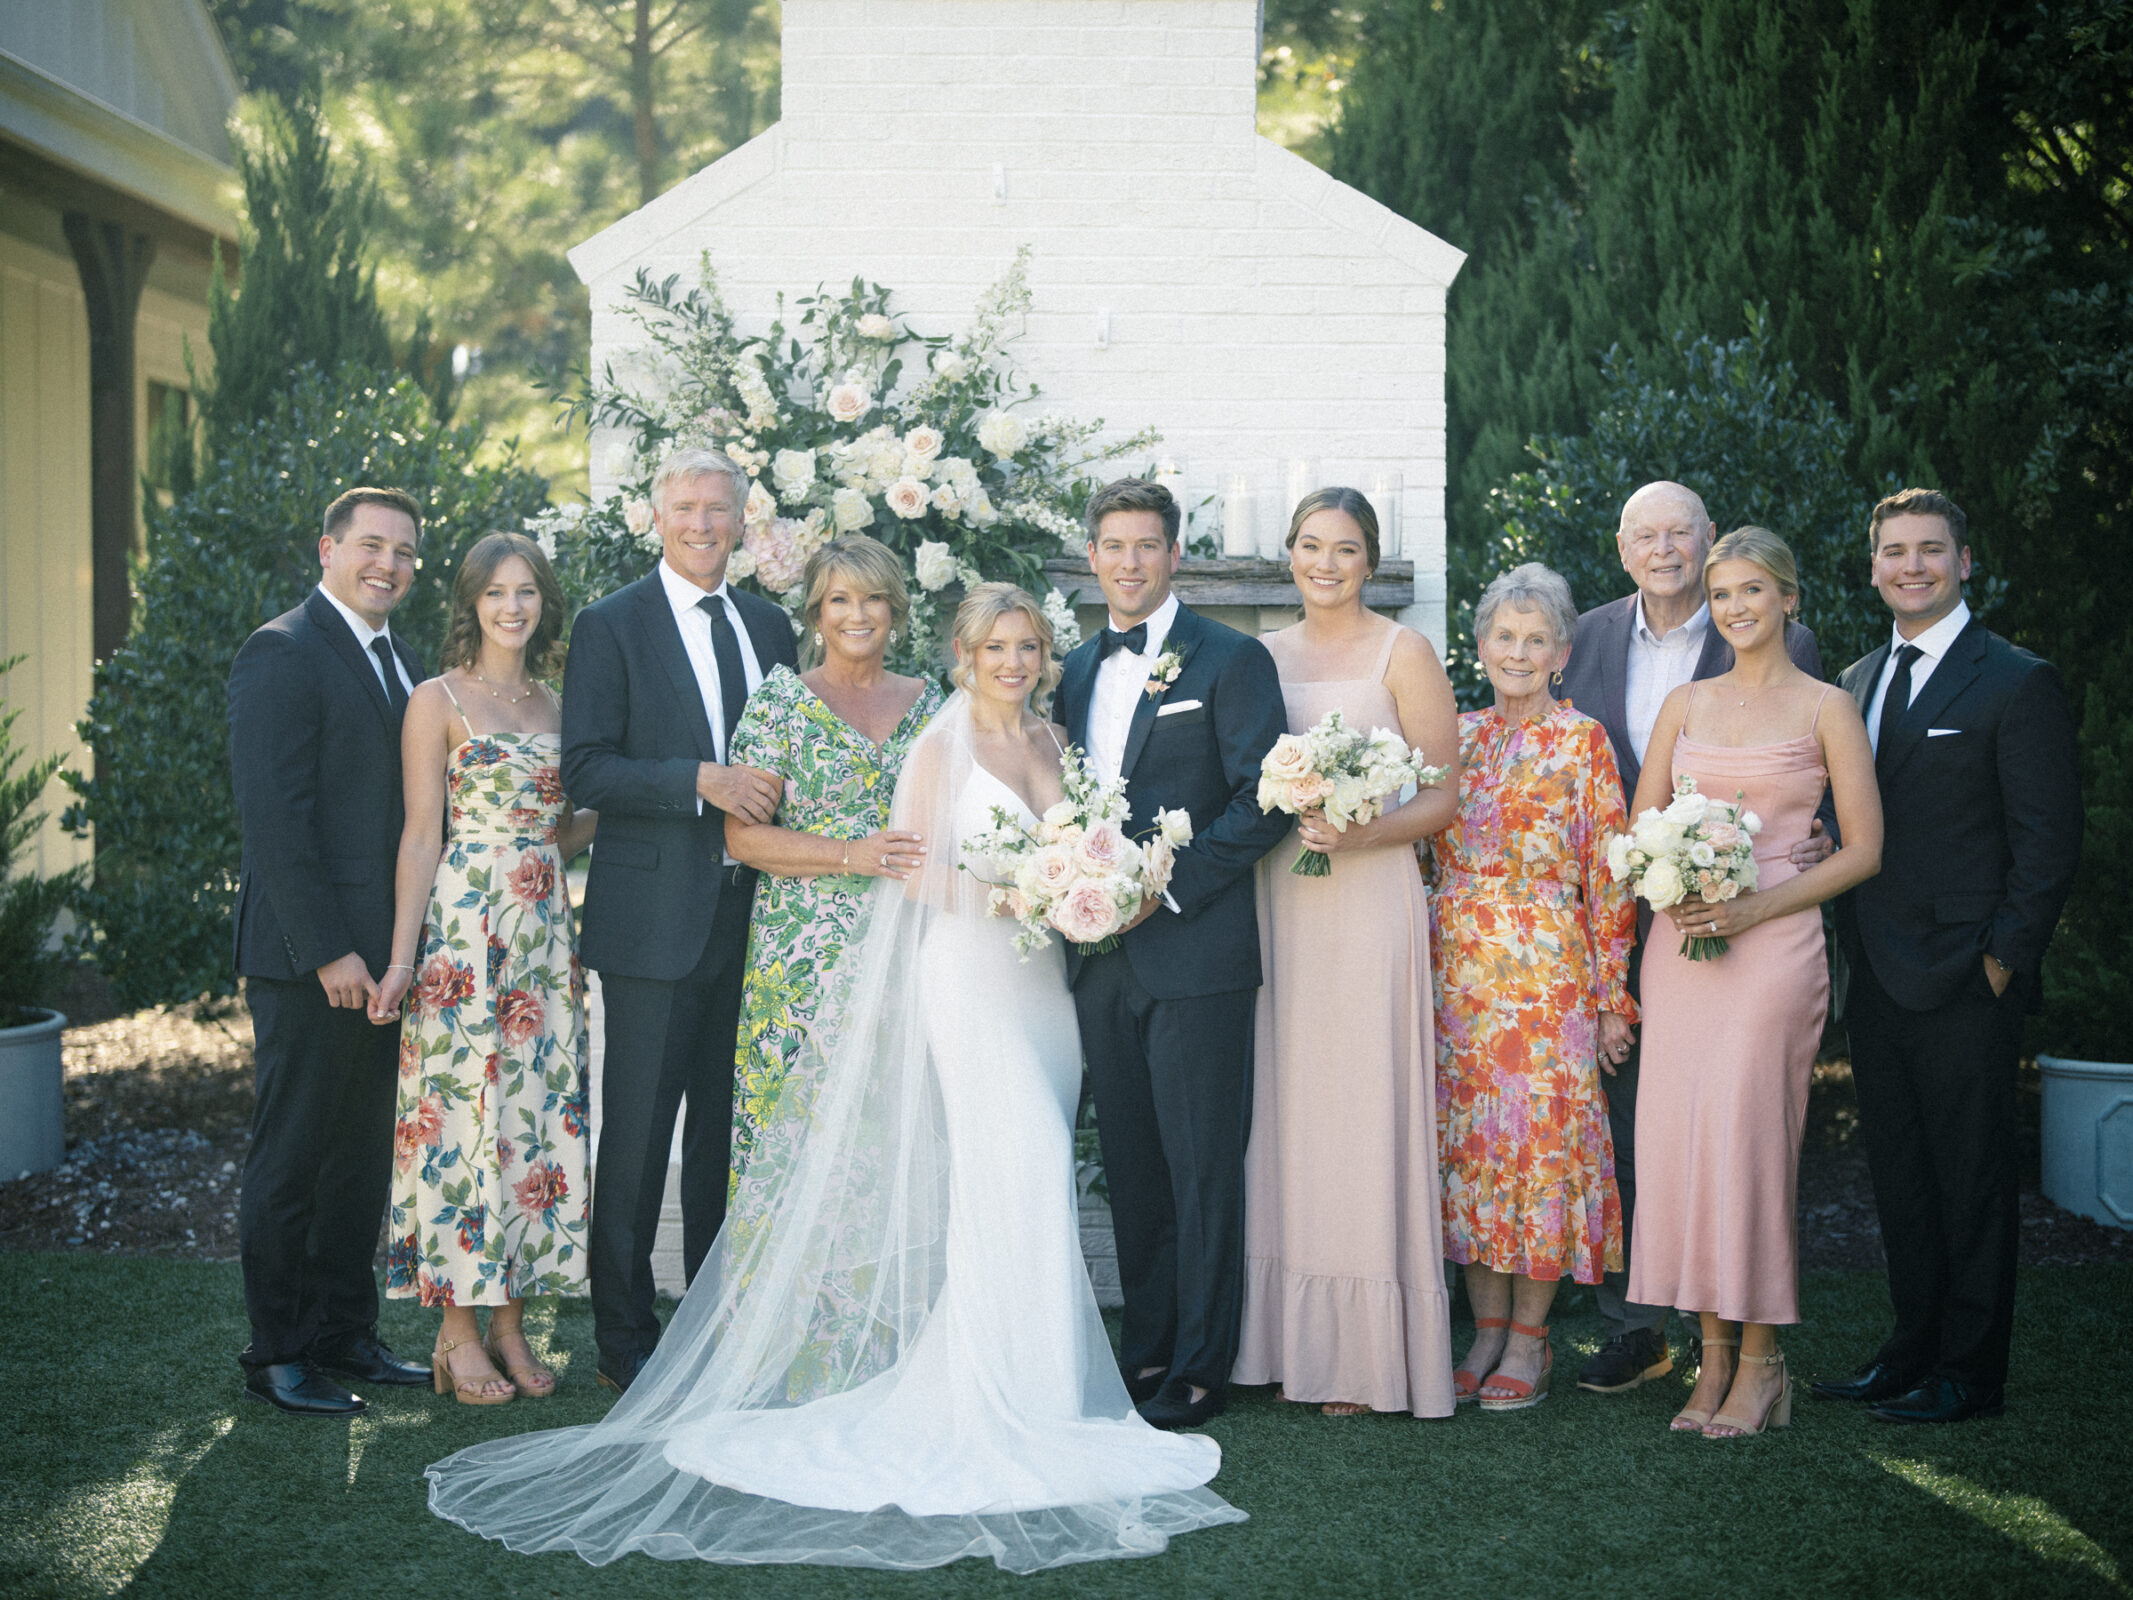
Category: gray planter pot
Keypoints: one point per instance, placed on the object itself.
(33, 1119)
(2088, 1137)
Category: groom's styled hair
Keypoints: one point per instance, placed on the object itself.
(1133, 494)
(343, 510)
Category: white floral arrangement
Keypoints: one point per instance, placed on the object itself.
(1696, 846)
(848, 422)
(1341, 772)
(1077, 873)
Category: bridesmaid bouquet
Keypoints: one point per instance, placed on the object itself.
(1696, 846)
(1341, 771)
(1077, 873)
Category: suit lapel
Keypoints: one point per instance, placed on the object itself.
(665, 633)
(341, 640)
(1956, 671)
(1614, 670)
(1865, 675)
(763, 634)
(1184, 634)
(1076, 679)
(1715, 657)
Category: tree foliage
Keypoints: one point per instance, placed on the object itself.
(29, 904)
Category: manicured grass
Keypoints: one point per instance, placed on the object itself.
(129, 1464)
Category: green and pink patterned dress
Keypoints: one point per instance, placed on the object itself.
(491, 1172)
(838, 785)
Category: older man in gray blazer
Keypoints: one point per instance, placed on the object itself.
(1628, 656)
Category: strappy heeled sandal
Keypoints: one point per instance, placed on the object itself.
(1467, 1385)
(468, 1391)
(1523, 1394)
(1777, 1414)
(1688, 1419)
(535, 1382)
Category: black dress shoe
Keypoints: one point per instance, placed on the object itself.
(1627, 1361)
(1174, 1407)
(1941, 1400)
(300, 1389)
(1141, 1390)
(1870, 1385)
(619, 1372)
(365, 1359)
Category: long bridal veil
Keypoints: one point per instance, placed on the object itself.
(819, 1286)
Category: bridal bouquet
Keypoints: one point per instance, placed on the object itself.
(1696, 846)
(1341, 771)
(1077, 873)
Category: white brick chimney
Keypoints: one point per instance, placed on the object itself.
(1187, 273)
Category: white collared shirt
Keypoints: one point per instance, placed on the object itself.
(1657, 667)
(1120, 681)
(1933, 644)
(695, 626)
(365, 634)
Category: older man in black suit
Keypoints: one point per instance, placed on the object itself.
(659, 672)
(1981, 787)
(315, 701)
(1628, 656)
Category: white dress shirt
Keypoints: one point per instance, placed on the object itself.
(1120, 681)
(1933, 644)
(695, 625)
(364, 635)
(1657, 667)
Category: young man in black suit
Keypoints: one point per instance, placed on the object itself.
(658, 674)
(1628, 655)
(1981, 788)
(1185, 709)
(315, 701)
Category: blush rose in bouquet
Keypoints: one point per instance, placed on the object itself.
(1340, 771)
(1696, 846)
(1077, 873)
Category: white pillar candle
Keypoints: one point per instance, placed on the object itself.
(1386, 492)
(1172, 477)
(1238, 535)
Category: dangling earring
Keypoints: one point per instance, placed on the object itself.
(894, 636)
(1555, 680)
(818, 638)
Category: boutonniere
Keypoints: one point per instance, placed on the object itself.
(1164, 673)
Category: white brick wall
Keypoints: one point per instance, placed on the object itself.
(1258, 310)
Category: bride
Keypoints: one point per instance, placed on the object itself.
(892, 1356)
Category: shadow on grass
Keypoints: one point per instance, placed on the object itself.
(132, 1467)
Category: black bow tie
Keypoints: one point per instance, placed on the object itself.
(1134, 638)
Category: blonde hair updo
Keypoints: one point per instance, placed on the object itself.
(985, 605)
(1762, 547)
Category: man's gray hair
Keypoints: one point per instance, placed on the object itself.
(694, 463)
(1529, 587)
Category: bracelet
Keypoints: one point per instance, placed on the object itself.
(399, 966)
(848, 854)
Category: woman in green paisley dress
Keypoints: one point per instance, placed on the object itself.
(837, 733)
(491, 1168)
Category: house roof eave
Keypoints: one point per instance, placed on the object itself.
(632, 237)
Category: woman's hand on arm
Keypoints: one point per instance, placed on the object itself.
(789, 853)
(425, 749)
(575, 833)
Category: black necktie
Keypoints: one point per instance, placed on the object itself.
(395, 696)
(732, 678)
(1134, 638)
(1897, 700)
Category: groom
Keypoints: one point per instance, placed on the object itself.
(1184, 709)
(658, 674)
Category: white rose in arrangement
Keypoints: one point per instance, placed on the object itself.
(935, 565)
(1618, 864)
(740, 566)
(1289, 760)
(958, 474)
(1158, 861)
(794, 473)
(924, 442)
(1045, 871)
(1174, 827)
(1062, 811)
(1003, 433)
(951, 365)
(1752, 822)
(851, 510)
(1088, 912)
(877, 327)
(1701, 854)
(885, 460)
(637, 516)
(848, 402)
(1662, 884)
(1105, 850)
(762, 506)
(912, 466)
(946, 501)
(1690, 808)
(979, 508)
(908, 498)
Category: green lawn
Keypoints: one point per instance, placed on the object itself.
(130, 1465)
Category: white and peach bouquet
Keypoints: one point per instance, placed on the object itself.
(1077, 873)
(1696, 846)
(1342, 772)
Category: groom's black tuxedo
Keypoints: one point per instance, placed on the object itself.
(315, 763)
(1981, 805)
(1166, 1020)
(666, 927)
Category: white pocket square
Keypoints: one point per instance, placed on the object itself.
(1941, 733)
(1177, 706)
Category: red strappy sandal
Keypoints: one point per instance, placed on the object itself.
(1523, 1394)
(1467, 1385)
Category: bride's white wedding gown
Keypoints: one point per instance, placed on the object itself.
(898, 1360)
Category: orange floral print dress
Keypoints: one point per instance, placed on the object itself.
(1531, 942)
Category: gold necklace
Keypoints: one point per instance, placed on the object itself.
(497, 694)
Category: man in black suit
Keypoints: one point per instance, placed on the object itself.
(658, 674)
(1627, 656)
(1185, 709)
(1981, 788)
(316, 698)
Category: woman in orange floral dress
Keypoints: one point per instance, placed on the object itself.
(1532, 940)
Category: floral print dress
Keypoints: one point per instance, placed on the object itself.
(491, 1172)
(1531, 942)
(838, 785)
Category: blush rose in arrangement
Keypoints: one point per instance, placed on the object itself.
(1696, 846)
(1077, 873)
(1342, 772)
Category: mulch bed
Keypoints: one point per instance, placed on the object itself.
(159, 1104)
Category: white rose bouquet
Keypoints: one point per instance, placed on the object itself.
(1696, 846)
(1077, 873)
(1342, 772)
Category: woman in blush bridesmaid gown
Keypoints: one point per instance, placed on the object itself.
(1344, 1299)
(1729, 1043)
